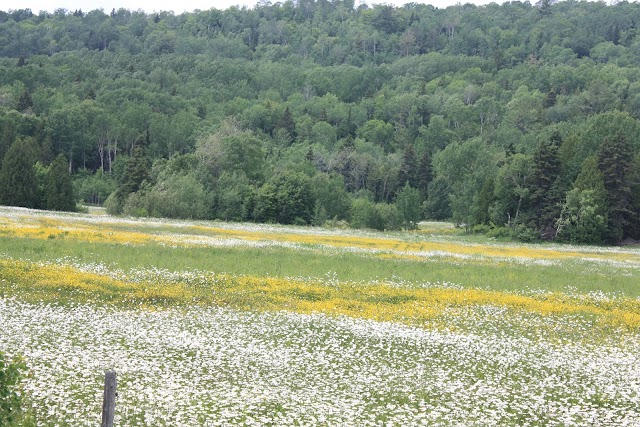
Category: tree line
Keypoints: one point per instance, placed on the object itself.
(517, 120)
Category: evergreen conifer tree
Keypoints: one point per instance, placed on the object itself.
(58, 192)
(544, 185)
(286, 122)
(425, 173)
(135, 172)
(18, 177)
(615, 158)
(24, 101)
(482, 202)
(408, 168)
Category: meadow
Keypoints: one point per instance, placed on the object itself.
(212, 323)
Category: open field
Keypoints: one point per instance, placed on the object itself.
(240, 324)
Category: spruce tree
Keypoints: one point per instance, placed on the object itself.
(135, 172)
(482, 202)
(286, 122)
(408, 168)
(24, 101)
(615, 157)
(545, 188)
(18, 176)
(425, 173)
(58, 191)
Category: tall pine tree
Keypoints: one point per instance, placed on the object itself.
(545, 188)
(58, 190)
(615, 157)
(136, 171)
(425, 173)
(18, 176)
(408, 168)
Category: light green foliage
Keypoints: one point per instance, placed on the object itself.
(409, 205)
(378, 132)
(330, 195)
(176, 196)
(510, 190)
(11, 395)
(232, 149)
(93, 189)
(324, 134)
(234, 197)
(581, 219)
(465, 167)
(364, 214)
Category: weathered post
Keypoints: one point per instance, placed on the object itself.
(109, 402)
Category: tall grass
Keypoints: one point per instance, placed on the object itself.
(282, 262)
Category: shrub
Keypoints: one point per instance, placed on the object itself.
(11, 413)
(500, 233)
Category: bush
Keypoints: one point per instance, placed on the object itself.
(113, 204)
(391, 218)
(480, 229)
(377, 216)
(365, 215)
(500, 233)
(11, 413)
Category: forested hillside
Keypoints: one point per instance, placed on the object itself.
(516, 119)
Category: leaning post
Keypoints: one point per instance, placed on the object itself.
(109, 402)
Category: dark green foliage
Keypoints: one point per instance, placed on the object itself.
(425, 173)
(287, 124)
(482, 202)
(584, 213)
(544, 187)
(409, 168)
(615, 161)
(58, 190)
(287, 199)
(234, 197)
(18, 176)
(24, 101)
(135, 173)
(437, 205)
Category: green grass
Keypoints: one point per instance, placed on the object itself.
(280, 262)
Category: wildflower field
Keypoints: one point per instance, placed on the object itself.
(220, 324)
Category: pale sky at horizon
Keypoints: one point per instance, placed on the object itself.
(182, 6)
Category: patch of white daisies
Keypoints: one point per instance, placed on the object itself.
(220, 367)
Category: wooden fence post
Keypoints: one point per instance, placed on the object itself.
(109, 402)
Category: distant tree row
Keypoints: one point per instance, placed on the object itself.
(515, 120)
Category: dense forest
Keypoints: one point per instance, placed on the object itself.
(517, 120)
